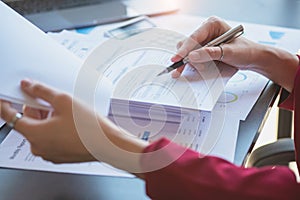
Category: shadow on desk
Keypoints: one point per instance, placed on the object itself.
(34, 185)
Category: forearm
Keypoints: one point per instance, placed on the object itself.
(194, 176)
(125, 149)
(276, 64)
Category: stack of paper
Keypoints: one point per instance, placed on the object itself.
(140, 99)
(152, 107)
(199, 111)
(100, 77)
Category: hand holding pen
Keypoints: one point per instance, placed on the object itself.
(226, 37)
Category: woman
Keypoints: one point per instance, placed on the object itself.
(188, 175)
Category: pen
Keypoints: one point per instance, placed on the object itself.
(224, 38)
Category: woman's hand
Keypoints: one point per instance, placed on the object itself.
(72, 132)
(52, 137)
(193, 47)
(241, 53)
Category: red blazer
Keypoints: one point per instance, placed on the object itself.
(191, 176)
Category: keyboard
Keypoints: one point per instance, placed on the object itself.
(36, 6)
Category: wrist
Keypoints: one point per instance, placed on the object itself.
(276, 64)
(122, 149)
(263, 56)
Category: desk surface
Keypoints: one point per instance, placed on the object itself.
(22, 184)
(285, 13)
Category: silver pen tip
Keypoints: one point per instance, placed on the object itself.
(163, 72)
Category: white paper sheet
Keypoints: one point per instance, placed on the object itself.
(252, 85)
(247, 91)
(33, 54)
(192, 133)
(189, 131)
(27, 52)
(15, 153)
(79, 44)
(241, 93)
(201, 131)
(224, 145)
(132, 66)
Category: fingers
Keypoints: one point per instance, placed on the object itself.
(31, 112)
(26, 125)
(195, 41)
(182, 52)
(179, 44)
(201, 55)
(176, 73)
(210, 29)
(187, 46)
(8, 114)
(206, 54)
(37, 90)
(35, 113)
(30, 118)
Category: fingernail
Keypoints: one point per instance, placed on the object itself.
(175, 58)
(26, 83)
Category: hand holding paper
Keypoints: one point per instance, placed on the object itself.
(27, 52)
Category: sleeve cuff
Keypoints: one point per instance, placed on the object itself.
(289, 102)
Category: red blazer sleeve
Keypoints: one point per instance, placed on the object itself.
(293, 103)
(289, 103)
(191, 176)
(174, 172)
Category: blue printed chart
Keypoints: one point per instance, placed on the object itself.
(275, 37)
(241, 92)
(280, 37)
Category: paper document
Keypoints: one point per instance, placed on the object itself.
(204, 132)
(31, 53)
(189, 131)
(15, 153)
(49, 62)
(39, 57)
(132, 66)
(193, 131)
(79, 44)
(243, 88)
(222, 135)
(241, 93)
